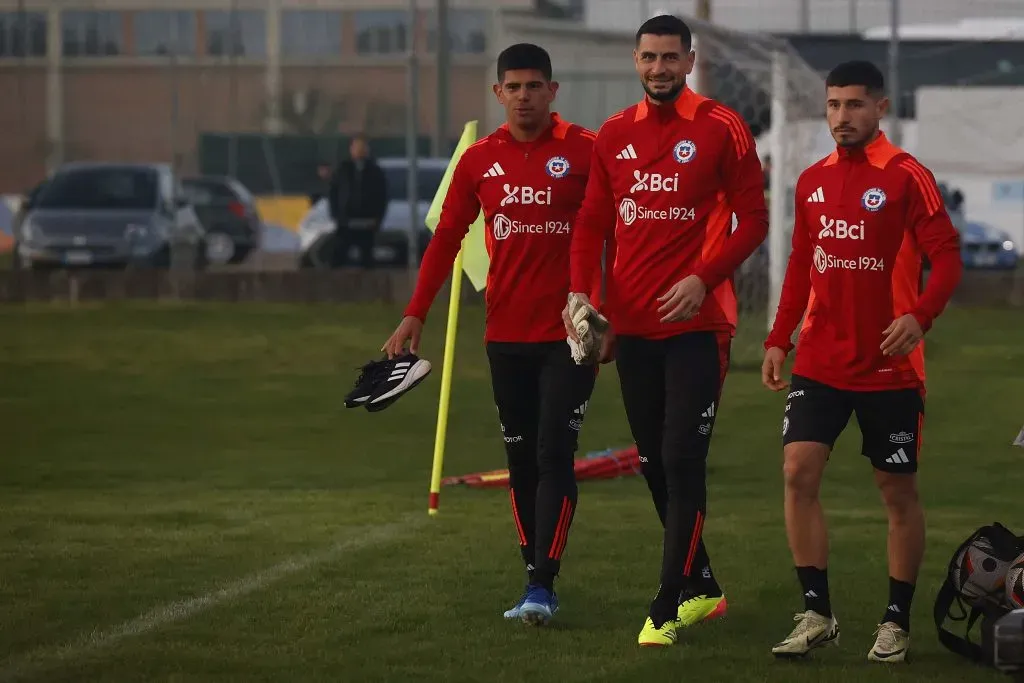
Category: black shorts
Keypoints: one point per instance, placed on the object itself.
(890, 421)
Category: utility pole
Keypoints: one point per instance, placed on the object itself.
(895, 96)
(703, 84)
(412, 112)
(440, 147)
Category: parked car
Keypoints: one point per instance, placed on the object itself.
(983, 246)
(109, 214)
(229, 215)
(316, 230)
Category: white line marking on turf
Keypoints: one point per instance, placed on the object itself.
(32, 662)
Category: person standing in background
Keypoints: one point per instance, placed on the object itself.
(358, 196)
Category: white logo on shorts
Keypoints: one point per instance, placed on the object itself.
(898, 458)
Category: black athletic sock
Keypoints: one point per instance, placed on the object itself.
(814, 582)
(901, 594)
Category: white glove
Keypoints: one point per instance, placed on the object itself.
(591, 326)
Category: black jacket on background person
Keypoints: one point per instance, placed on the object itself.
(357, 193)
(358, 189)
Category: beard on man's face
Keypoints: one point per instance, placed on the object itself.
(847, 136)
(665, 95)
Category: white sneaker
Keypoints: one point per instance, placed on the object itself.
(401, 375)
(891, 644)
(812, 631)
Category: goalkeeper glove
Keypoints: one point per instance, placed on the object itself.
(590, 327)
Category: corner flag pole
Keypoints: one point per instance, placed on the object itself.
(474, 261)
(446, 384)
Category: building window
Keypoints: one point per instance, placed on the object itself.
(22, 34)
(238, 33)
(467, 31)
(310, 33)
(92, 34)
(382, 31)
(165, 32)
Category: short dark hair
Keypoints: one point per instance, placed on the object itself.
(524, 56)
(666, 25)
(857, 72)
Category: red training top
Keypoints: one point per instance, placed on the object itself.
(530, 193)
(863, 218)
(667, 179)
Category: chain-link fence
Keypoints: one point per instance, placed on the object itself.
(770, 85)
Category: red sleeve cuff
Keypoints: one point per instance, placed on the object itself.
(416, 311)
(710, 281)
(774, 342)
(925, 321)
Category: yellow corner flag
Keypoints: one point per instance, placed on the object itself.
(472, 258)
(474, 252)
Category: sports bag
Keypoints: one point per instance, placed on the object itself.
(975, 585)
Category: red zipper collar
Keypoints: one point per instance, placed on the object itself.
(555, 130)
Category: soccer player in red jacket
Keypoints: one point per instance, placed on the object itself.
(865, 214)
(667, 176)
(529, 176)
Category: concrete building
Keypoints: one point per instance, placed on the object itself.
(140, 80)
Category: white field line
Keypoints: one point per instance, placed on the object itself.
(21, 666)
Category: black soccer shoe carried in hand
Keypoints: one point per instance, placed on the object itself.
(406, 371)
(370, 377)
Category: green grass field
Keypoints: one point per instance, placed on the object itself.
(184, 498)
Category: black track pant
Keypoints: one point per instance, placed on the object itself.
(671, 389)
(541, 395)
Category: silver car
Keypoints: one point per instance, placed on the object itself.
(108, 214)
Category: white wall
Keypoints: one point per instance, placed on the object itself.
(973, 128)
(785, 15)
(976, 135)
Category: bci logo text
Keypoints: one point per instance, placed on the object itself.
(525, 195)
(840, 229)
(655, 182)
